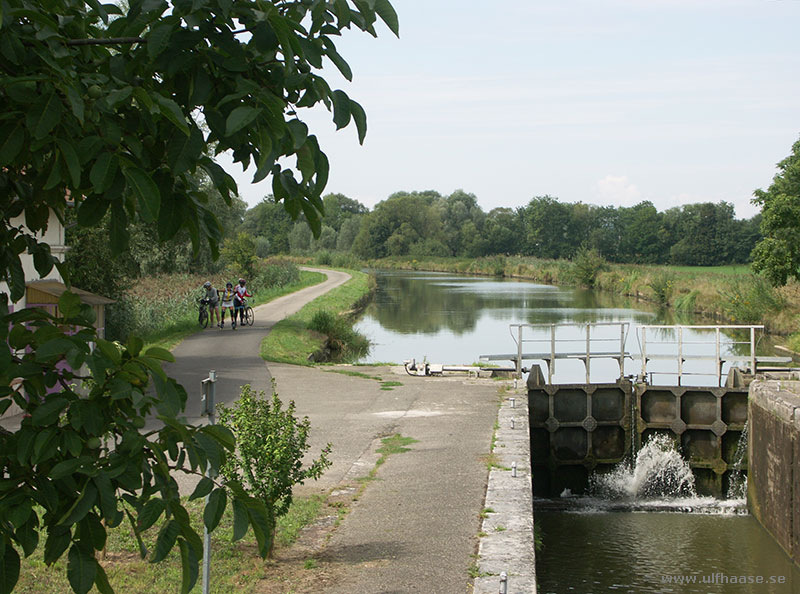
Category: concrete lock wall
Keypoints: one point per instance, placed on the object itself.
(773, 483)
(581, 429)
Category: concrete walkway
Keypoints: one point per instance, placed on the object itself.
(414, 529)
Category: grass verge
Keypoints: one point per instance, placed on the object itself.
(235, 567)
(291, 341)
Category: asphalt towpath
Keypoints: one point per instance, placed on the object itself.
(414, 527)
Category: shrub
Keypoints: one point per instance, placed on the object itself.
(748, 299)
(662, 285)
(344, 342)
(275, 273)
(586, 265)
(270, 445)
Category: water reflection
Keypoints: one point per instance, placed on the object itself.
(655, 552)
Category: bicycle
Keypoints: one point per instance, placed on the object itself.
(202, 316)
(249, 316)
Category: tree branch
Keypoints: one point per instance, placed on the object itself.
(107, 41)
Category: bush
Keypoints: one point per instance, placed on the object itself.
(747, 300)
(270, 445)
(586, 265)
(344, 343)
(662, 285)
(275, 273)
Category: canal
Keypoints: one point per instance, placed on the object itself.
(697, 547)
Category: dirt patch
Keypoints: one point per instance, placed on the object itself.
(301, 568)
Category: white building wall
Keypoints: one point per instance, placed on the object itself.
(54, 236)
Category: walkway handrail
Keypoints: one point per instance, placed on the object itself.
(752, 359)
(555, 348)
(589, 340)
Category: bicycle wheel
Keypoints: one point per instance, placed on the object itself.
(249, 316)
(203, 318)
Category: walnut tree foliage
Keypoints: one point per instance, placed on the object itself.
(122, 111)
(777, 255)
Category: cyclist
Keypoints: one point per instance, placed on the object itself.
(227, 303)
(240, 292)
(211, 297)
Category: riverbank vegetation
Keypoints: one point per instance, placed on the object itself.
(727, 294)
(322, 330)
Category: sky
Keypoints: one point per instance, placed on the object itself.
(606, 102)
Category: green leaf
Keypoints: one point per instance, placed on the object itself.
(341, 109)
(224, 183)
(48, 412)
(103, 171)
(69, 304)
(221, 434)
(158, 39)
(58, 540)
(298, 131)
(360, 118)
(169, 402)
(43, 446)
(202, 489)
(107, 497)
(172, 112)
(12, 137)
(44, 116)
(71, 159)
(183, 151)
(146, 190)
(241, 520)
(65, 467)
(338, 61)
(109, 350)
(76, 103)
(53, 350)
(215, 507)
(27, 536)
(239, 118)
(118, 229)
(150, 513)
(388, 15)
(81, 569)
(9, 568)
(165, 541)
(138, 534)
(189, 566)
(81, 507)
(159, 353)
(101, 581)
(92, 531)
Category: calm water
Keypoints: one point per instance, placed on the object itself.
(454, 319)
(659, 552)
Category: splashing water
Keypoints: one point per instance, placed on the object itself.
(738, 478)
(658, 471)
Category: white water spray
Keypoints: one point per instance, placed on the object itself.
(658, 471)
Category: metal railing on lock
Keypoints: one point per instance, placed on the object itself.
(555, 346)
(718, 358)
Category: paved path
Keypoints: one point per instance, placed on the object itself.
(415, 528)
(234, 354)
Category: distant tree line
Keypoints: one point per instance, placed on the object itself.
(424, 224)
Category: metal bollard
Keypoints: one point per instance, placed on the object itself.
(513, 402)
(208, 390)
(514, 469)
(504, 583)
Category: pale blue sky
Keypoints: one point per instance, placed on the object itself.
(603, 101)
